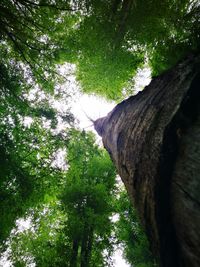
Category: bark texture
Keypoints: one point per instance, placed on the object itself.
(154, 140)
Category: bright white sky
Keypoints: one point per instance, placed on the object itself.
(93, 107)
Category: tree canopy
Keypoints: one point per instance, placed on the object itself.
(107, 40)
(72, 226)
(111, 39)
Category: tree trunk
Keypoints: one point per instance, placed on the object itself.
(89, 246)
(86, 246)
(74, 256)
(154, 140)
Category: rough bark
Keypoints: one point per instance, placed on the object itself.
(153, 139)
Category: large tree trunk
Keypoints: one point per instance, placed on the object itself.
(154, 140)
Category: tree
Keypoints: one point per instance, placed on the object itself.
(42, 243)
(26, 151)
(26, 171)
(27, 174)
(73, 227)
(88, 201)
(153, 140)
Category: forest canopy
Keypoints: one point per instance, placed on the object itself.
(108, 41)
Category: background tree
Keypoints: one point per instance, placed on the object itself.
(88, 201)
(76, 230)
(27, 150)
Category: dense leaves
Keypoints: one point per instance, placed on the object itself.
(108, 40)
(27, 147)
(28, 34)
(111, 39)
(73, 227)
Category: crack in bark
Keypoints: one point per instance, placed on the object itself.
(187, 194)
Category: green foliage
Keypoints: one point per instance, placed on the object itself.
(26, 171)
(109, 40)
(28, 34)
(26, 152)
(82, 216)
(88, 198)
(43, 242)
(131, 235)
(26, 49)
(107, 73)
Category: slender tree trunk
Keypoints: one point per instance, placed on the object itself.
(83, 250)
(74, 255)
(86, 247)
(89, 246)
(154, 141)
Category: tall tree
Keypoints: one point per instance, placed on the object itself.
(153, 139)
(88, 201)
(73, 227)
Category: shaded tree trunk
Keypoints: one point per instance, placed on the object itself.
(74, 256)
(89, 246)
(154, 140)
(86, 247)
